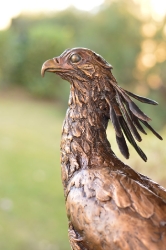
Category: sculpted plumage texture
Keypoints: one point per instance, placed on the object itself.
(109, 205)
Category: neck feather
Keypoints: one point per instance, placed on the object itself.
(84, 142)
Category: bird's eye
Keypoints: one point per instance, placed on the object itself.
(75, 58)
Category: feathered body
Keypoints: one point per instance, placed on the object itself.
(109, 205)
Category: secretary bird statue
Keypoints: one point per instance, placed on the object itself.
(109, 205)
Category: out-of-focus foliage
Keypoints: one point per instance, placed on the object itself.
(135, 46)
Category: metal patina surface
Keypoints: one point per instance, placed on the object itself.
(109, 205)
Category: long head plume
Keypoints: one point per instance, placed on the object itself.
(126, 117)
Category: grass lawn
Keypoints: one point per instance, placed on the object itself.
(32, 208)
(31, 196)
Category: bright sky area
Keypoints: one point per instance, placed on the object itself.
(10, 8)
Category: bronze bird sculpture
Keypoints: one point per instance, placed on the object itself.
(109, 205)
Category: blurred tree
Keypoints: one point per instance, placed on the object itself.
(44, 41)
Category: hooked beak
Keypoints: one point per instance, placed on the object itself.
(51, 65)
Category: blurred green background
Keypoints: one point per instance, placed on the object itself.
(32, 109)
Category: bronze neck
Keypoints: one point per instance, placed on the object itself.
(84, 142)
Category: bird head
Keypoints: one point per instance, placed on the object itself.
(76, 63)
